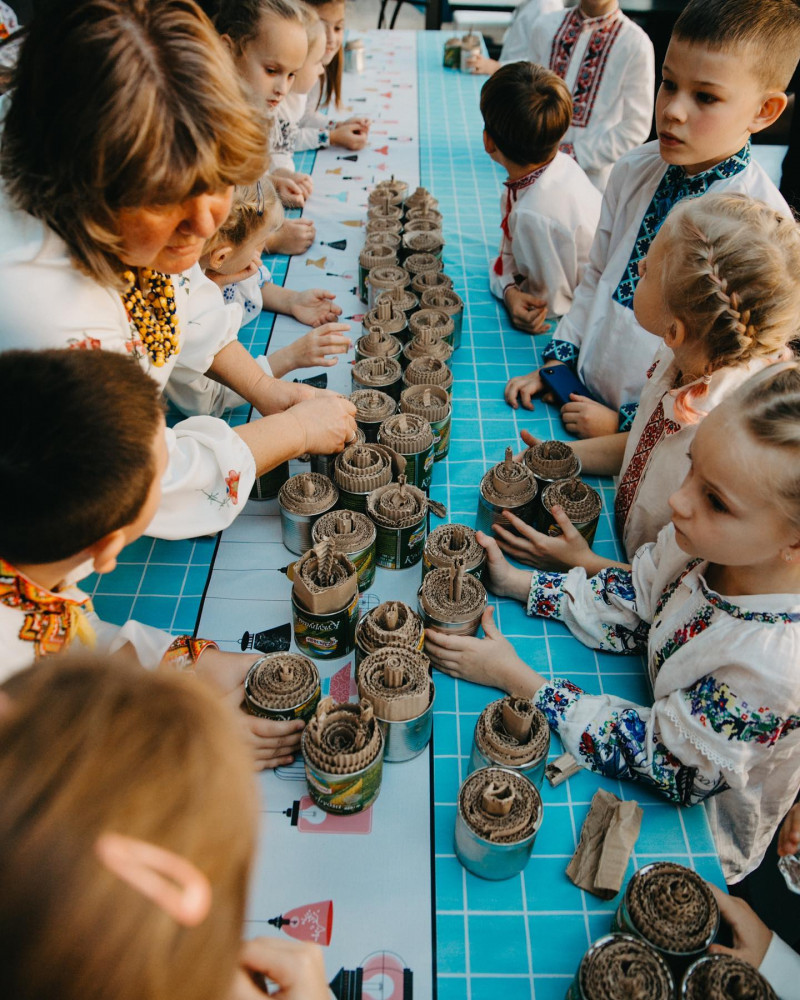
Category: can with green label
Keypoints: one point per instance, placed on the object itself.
(354, 536)
(432, 403)
(325, 636)
(373, 255)
(400, 515)
(410, 436)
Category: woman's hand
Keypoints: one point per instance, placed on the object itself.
(314, 307)
(296, 967)
(327, 423)
(751, 936)
(534, 548)
(585, 418)
(491, 661)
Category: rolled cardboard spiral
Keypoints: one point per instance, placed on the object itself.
(308, 493)
(509, 483)
(342, 738)
(392, 623)
(499, 806)
(552, 460)
(280, 680)
(397, 682)
(672, 907)
(725, 977)
(512, 731)
(620, 967)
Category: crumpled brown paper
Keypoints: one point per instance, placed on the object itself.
(607, 838)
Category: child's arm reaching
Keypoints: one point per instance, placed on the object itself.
(303, 181)
(272, 743)
(351, 134)
(586, 418)
(600, 456)
(482, 65)
(312, 307)
(312, 350)
(294, 236)
(561, 552)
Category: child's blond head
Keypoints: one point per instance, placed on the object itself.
(252, 209)
(766, 32)
(241, 20)
(730, 275)
(88, 749)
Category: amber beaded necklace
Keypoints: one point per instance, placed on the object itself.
(153, 313)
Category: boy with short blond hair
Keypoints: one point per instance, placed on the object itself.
(549, 208)
(723, 80)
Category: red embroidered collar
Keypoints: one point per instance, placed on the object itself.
(527, 179)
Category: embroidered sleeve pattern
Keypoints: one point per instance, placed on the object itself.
(561, 350)
(546, 595)
(185, 651)
(626, 414)
(619, 742)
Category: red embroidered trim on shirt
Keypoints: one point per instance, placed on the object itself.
(656, 428)
(512, 191)
(593, 64)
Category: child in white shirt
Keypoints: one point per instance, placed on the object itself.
(714, 604)
(719, 287)
(723, 75)
(108, 459)
(549, 209)
(517, 41)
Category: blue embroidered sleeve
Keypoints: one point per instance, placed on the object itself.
(617, 743)
(561, 350)
(626, 414)
(546, 595)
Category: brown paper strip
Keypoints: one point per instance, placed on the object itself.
(563, 767)
(607, 838)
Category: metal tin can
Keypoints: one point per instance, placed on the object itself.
(450, 302)
(373, 255)
(354, 57)
(383, 374)
(660, 987)
(433, 403)
(533, 770)
(399, 548)
(304, 709)
(412, 637)
(470, 46)
(362, 557)
(452, 53)
(407, 739)
(419, 464)
(296, 525)
(327, 636)
(487, 858)
(468, 627)
(587, 527)
(623, 922)
(345, 794)
(268, 485)
(490, 514)
(743, 979)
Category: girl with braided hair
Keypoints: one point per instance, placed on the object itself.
(719, 285)
(714, 607)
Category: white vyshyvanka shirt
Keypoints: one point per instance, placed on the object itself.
(607, 64)
(656, 459)
(781, 968)
(313, 127)
(517, 42)
(724, 725)
(49, 303)
(600, 335)
(548, 222)
(35, 622)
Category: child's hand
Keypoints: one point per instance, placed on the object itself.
(482, 65)
(315, 307)
(789, 838)
(327, 423)
(291, 194)
(232, 279)
(502, 578)
(297, 967)
(271, 743)
(352, 134)
(294, 236)
(314, 349)
(751, 937)
(528, 313)
(560, 552)
(585, 418)
(275, 396)
(305, 183)
(520, 390)
(492, 661)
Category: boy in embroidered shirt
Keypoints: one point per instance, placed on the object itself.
(723, 78)
(517, 41)
(549, 209)
(607, 64)
(84, 479)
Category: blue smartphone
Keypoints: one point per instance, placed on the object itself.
(561, 380)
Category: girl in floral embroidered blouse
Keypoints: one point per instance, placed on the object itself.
(715, 605)
(719, 286)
